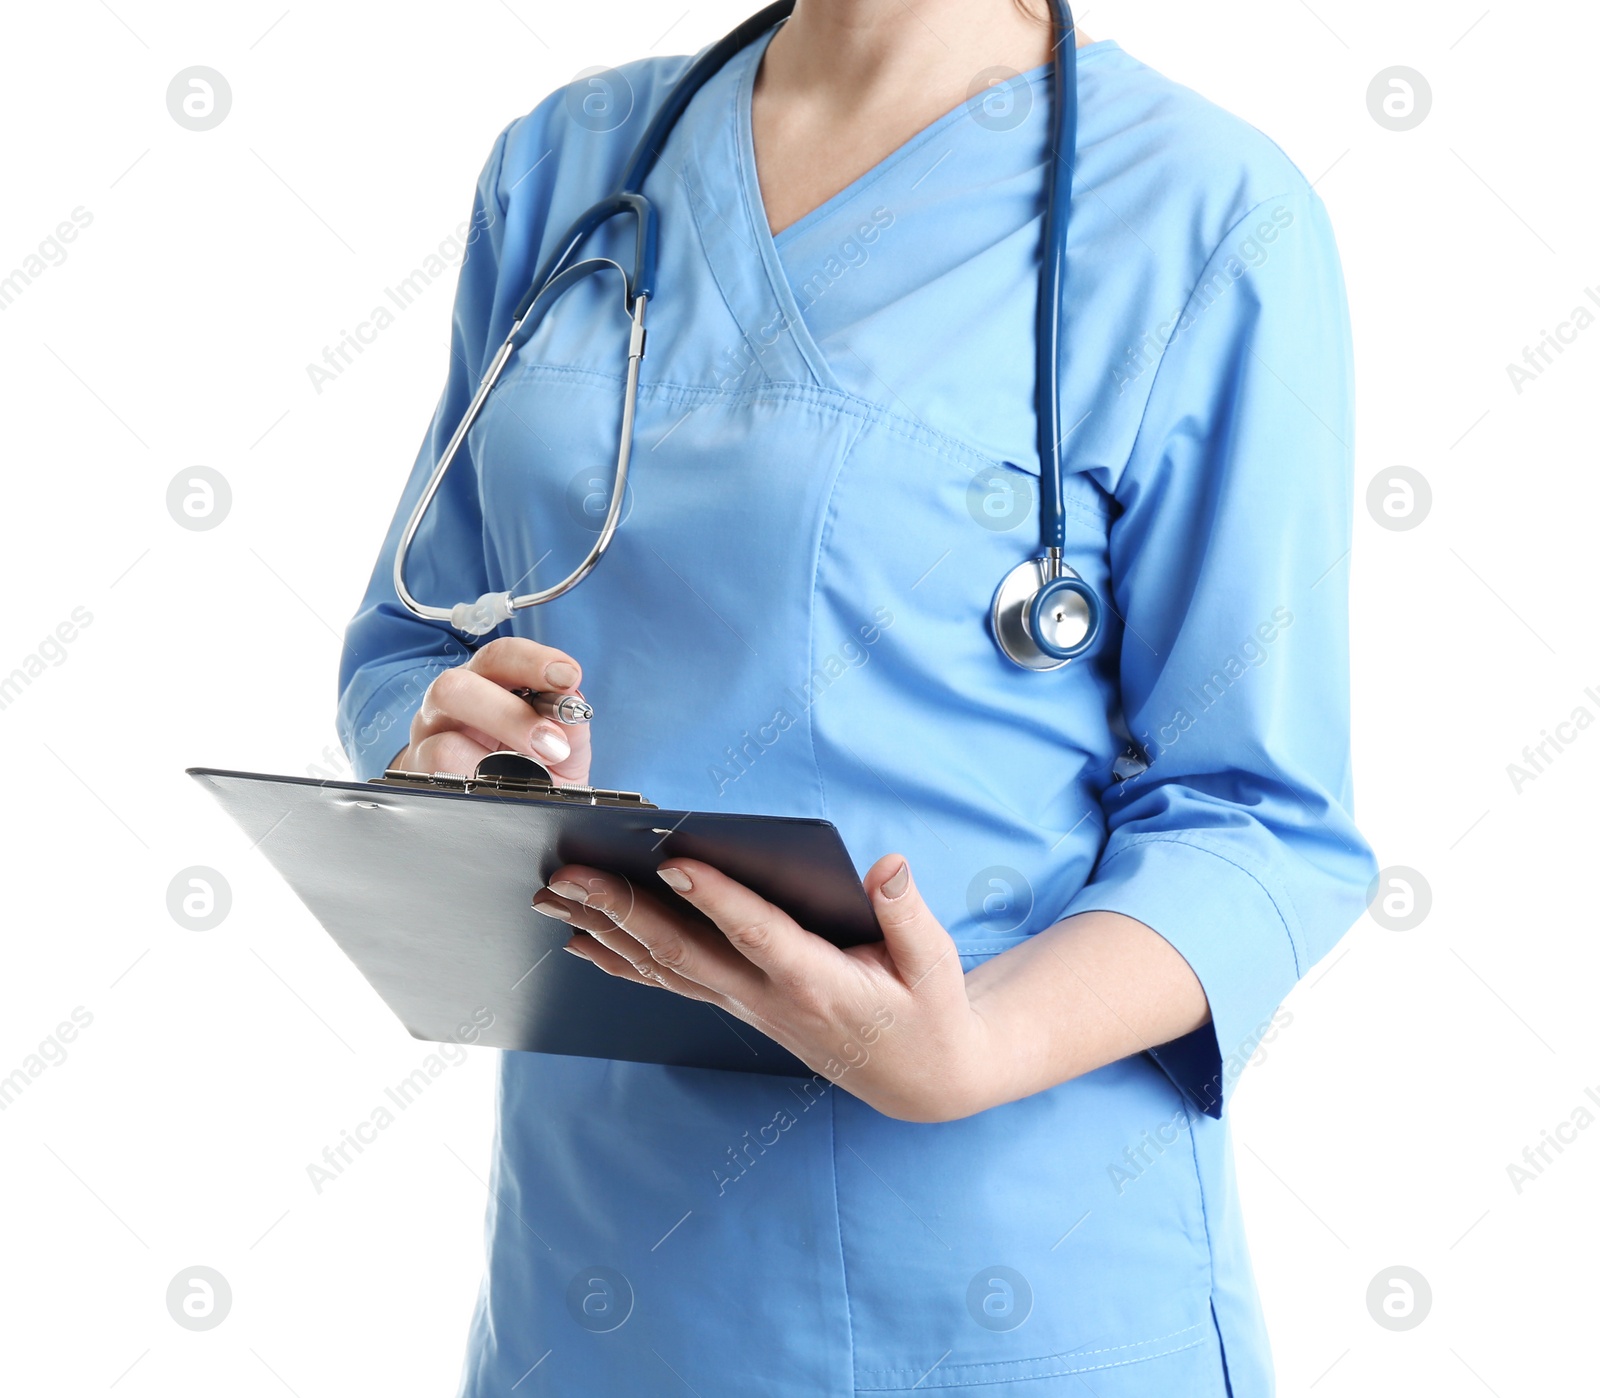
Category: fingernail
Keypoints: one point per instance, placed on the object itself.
(895, 884)
(675, 878)
(567, 946)
(550, 745)
(567, 889)
(560, 675)
(553, 910)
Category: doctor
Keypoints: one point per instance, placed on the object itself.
(1011, 1172)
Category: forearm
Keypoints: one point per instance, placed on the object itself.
(1086, 992)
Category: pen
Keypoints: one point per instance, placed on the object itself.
(563, 708)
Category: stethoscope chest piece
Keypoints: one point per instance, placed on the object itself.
(1042, 622)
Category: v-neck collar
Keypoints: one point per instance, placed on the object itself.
(756, 217)
(834, 202)
(766, 244)
(765, 306)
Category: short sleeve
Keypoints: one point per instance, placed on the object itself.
(1229, 562)
(390, 656)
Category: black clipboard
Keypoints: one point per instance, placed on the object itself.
(426, 883)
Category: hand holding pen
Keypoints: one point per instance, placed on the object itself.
(511, 694)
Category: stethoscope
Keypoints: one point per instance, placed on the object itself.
(1043, 615)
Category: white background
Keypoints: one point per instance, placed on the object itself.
(1377, 1129)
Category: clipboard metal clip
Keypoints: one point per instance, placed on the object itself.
(513, 774)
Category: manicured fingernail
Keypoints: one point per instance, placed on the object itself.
(895, 884)
(675, 878)
(560, 675)
(567, 946)
(567, 889)
(553, 910)
(550, 745)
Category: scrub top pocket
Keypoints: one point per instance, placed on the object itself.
(1014, 1251)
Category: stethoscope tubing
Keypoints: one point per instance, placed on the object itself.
(1049, 328)
(1029, 646)
(474, 618)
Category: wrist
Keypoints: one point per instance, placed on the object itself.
(1008, 1050)
(976, 1076)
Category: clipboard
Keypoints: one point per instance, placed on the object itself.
(426, 883)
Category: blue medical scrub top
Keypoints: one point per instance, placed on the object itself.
(835, 466)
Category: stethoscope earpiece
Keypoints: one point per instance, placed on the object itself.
(1042, 622)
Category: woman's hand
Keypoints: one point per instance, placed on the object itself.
(891, 1021)
(470, 711)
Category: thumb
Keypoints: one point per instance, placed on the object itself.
(915, 939)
